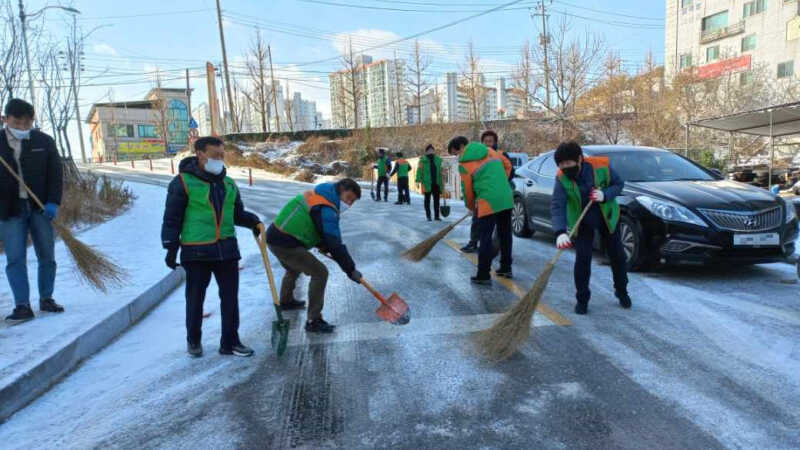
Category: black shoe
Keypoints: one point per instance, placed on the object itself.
(20, 314)
(624, 300)
(429, 219)
(292, 304)
(50, 305)
(437, 219)
(195, 350)
(319, 326)
(469, 248)
(398, 203)
(504, 272)
(581, 308)
(481, 281)
(386, 199)
(237, 350)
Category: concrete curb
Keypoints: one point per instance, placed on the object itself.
(30, 385)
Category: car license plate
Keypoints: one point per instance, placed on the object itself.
(756, 240)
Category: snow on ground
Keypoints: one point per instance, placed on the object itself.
(131, 240)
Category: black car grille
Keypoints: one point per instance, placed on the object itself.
(745, 221)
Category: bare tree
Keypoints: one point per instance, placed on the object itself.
(289, 109)
(436, 104)
(417, 80)
(523, 78)
(257, 71)
(605, 105)
(163, 119)
(51, 89)
(472, 84)
(352, 83)
(571, 64)
(11, 52)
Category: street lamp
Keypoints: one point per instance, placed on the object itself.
(23, 17)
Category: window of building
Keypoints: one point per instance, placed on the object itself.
(712, 53)
(686, 61)
(148, 131)
(716, 22)
(685, 3)
(178, 122)
(786, 69)
(745, 78)
(749, 43)
(121, 130)
(754, 7)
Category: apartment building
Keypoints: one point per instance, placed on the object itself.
(380, 88)
(716, 37)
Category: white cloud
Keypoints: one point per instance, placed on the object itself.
(104, 49)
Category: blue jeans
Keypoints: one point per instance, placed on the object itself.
(14, 232)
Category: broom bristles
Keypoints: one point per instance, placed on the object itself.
(420, 251)
(511, 330)
(93, 267)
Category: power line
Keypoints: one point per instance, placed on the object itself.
(134, 16)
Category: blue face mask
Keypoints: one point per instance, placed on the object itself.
(214, 166)
(20, 134)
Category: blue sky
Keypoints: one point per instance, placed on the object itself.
(171, 35)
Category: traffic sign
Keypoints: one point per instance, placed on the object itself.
(192, 123)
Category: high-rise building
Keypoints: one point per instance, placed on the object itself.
(202, 115)
(380, 94)
(304, 113)
(715, 37)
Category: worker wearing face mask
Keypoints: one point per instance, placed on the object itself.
(582, 180)
(203, 207)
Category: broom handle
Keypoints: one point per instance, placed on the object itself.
(573, 231)
(262, 245)
(22, 183)
(372, 291)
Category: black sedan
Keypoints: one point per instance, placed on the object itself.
(673, 210)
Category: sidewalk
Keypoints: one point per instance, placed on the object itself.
(36, 354)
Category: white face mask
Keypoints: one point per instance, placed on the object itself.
(20, 134)
(343, 207)
(214, 166)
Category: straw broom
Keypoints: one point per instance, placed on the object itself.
(92, 265)
(420, 251)
(512, 329)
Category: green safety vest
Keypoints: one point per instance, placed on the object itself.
(201, 226)
(295, 219)
(424, 173)
(382, 166)
(402, 168)
(602, 178)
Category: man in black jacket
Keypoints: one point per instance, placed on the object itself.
(32, 154)
(203, 206)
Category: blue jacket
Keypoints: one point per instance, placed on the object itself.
(326, 220)
(594, 218)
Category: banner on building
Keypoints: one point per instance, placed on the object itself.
(146, 146)
(213, 102)
(717, 69)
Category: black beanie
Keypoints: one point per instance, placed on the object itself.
(568, 151)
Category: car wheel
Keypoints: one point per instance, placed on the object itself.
(519, 220)
(630, 233)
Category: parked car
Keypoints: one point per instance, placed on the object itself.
(518, 159)
(673, 211)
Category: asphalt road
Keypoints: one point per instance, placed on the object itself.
(707, 358)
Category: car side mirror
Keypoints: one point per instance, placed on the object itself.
(716, 172)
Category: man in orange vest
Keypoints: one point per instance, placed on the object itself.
(402, 168)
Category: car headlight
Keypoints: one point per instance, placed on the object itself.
(791, 211)
(670, 211)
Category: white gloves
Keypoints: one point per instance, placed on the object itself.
(563, 241)
(597, 196)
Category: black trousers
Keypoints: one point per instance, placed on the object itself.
(486, 253)
(384, 180)
(198, 276)
(436, 194)
(583, 260)
(403, 194)
(475, 234)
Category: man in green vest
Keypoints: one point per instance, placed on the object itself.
(582, 180)
(310, 220)
(384, 165)
(401, 168)
(429, 175)
(484, 183)
(203, 206)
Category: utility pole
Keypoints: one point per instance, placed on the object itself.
(188, 94)
(544, 40)
(274, 92)
(22, 18)
(225, 64)
(75, 71)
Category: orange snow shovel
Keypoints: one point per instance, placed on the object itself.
(394, 310)
(280, 327)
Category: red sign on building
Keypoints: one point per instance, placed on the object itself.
(717, 69)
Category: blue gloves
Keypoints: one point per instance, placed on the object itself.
(50, 210)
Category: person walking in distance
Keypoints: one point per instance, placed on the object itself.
(401, 168)
(429, 176)
(484, 182)
(383, 165)
(310, 220)
(202, 209)
(581, 180)
(33, 155)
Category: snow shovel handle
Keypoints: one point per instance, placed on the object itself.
(372, 291)
(262, 245)
(574, 230)
(22, 183)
